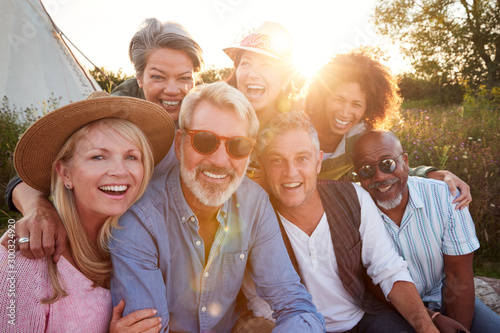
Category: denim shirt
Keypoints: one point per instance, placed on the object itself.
(159, 262)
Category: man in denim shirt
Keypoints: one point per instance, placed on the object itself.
(184, 246)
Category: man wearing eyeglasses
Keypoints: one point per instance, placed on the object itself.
(333, 232)
(437, 240)
(184, 246)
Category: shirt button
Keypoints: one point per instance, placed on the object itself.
(198, 243)
(183, 218)
(192, 219)
(206, 274)
(203, 309)
(242, 256)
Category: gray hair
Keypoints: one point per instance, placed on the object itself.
(282, 123)
(222, 95)
(154, 35)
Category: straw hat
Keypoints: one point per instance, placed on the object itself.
(38, 147)
(270, 39)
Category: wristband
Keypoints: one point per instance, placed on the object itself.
(434, 315)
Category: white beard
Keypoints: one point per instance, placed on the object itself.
(212, 195)
(391, 203)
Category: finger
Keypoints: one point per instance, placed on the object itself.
(48, 242)
(22, 231)
(464, 199)
(463, 204)
(138, 315)
(147, 325)
(4, 240)
(35, 243)
(453, 188)
(60, 244)
(118, 311)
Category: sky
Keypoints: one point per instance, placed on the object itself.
(102, 29)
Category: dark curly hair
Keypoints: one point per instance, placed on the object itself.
(375, 79)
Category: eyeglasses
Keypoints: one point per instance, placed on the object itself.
(387, 165)
(206, 143)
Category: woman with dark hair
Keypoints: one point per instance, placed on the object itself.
(167, 63)
(351, 94)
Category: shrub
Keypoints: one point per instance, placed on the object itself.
(13, 123)
(413, 89)
(107, 79)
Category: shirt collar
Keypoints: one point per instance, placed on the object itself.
(415, 199)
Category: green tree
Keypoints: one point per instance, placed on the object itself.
(213, 74)
(447, 40)
(107, 79)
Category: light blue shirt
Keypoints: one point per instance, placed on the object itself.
(159, 262)
(431, 227)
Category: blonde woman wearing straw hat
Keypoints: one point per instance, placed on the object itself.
(95, 158)
(167, 62)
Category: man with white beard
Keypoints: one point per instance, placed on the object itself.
(184, 246)
(436, 239)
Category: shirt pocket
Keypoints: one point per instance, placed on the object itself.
(233, 267)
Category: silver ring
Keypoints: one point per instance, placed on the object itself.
(24, 240)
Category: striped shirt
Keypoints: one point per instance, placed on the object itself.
(430, 228)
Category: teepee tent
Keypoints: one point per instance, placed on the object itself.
(35, 62)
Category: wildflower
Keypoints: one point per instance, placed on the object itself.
(456, 158)
(479, 140)
(465, 156)
(470, 138)
(492, 205)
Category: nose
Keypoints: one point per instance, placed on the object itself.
(117, 167)
(378, 175)
(290, 169)
(253, 72)
(171, 87)
(220, 157)
(344, 109)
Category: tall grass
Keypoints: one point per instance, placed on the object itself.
(465, 141)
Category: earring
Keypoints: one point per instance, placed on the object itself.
(68, 186)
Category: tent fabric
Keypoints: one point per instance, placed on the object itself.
(34, 61)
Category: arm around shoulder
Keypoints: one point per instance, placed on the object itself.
(40, 223)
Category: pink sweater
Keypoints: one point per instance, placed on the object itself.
(85, 309)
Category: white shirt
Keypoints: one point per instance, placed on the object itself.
(318, 266)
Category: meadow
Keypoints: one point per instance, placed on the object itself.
(464, 139)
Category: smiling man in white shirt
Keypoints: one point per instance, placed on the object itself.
(332, 230)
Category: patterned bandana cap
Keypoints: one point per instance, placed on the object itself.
(270, 39)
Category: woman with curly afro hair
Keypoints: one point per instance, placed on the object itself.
(354, 93)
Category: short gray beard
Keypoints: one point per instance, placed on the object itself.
(211, 195)
(391, 203)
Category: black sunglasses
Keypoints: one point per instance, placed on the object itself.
(387, 165)
(206, 143)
